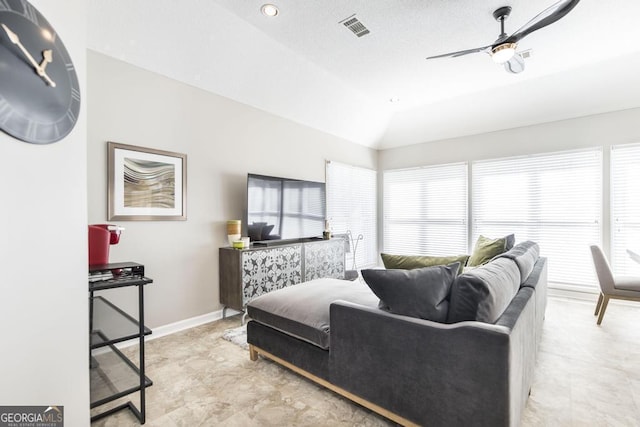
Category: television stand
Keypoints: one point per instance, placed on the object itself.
(248, 273)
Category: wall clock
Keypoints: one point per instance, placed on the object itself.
(39, 93)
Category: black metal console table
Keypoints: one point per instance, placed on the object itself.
(112, 374)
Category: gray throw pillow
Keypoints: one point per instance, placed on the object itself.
(525, 254)
(482, 294)
(420, 293)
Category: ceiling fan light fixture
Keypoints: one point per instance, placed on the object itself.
(503, 52)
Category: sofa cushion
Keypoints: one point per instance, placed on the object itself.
(525, 255)
(486, 249)
(483, 293)
(302, 310)
(421, 292)
(409, 262)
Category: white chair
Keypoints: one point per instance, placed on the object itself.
(627, 288)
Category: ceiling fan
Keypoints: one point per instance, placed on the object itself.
(503, 50)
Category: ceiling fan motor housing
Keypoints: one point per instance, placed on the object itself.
(502, 13)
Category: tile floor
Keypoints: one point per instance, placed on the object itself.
(586, 376)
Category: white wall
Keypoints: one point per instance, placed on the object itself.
(223, 140)
(43, 254)
(601, 130)
(598, 130)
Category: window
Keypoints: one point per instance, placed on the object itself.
(625, 208)
(553, 199)
(425, 210)
(352, 210)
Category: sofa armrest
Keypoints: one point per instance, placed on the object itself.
(430, 373)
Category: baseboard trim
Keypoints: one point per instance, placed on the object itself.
(172, 328)
(181, 325)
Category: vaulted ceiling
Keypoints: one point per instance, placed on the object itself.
(305, 65)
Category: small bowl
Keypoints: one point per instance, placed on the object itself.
(238, 244)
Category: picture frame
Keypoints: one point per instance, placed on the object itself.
(145, 184)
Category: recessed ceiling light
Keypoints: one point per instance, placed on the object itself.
(269, 10)
(394, 100)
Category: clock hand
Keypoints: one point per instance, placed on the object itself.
(15, 40)
(13, 37)
(47, 57)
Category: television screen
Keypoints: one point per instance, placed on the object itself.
(283, 208)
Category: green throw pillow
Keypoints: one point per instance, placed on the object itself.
(486, 249)
(409, 262)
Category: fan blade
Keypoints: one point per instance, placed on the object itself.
(460, 53)
(515, 65)
(544, 18)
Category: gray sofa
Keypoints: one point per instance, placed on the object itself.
(474, 369)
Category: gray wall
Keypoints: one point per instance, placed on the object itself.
(598, 130)
(43, 253)
(223, 140)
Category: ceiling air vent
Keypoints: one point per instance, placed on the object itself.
(355, 26)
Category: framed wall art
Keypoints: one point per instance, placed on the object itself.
(146, 184)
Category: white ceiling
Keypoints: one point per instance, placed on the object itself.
(306, 66)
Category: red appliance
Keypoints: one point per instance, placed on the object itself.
(101, 236)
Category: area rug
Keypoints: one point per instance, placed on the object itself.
(238, 336)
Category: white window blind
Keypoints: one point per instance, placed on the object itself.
(352, 210)
(625, 208)
(553, 199)
(425, 210)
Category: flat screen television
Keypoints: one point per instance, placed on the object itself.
(284, 208)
